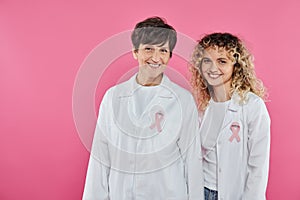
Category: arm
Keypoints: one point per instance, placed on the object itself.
(259, 150)
(96, 185)
(191, 152)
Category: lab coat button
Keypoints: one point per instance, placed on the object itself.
(220, 170)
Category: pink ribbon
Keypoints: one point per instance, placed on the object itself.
(158, 118)
(235, 128)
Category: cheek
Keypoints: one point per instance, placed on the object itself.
(228, 70)
(165, 60)
(142, 59)
(202, 73)
(204, 67)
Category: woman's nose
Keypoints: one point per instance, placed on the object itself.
(213, 67)
(155, 56)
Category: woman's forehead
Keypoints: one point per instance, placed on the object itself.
(163, 45)
(216, 52)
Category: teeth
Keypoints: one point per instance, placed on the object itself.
(214, 75)
(154, 65)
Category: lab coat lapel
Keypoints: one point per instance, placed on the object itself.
(164, 93)
(120, 98)
(231, 116)
(123, 94)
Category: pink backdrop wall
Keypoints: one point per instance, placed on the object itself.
(44, 43)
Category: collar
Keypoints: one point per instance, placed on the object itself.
(128, 88)
(233, 103)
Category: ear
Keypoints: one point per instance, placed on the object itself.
(134, 53)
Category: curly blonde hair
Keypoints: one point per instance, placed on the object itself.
(244, 79)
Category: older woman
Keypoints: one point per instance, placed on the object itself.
(145, 144)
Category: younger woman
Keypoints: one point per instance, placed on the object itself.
(235, 125)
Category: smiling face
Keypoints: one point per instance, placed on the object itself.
(152, 60)
(217, 69)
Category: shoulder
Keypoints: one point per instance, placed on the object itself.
(252, 100)
(186, 100)
(178, 90)
(183, 94)
(121, 89)
(124, 86)
(255, 107)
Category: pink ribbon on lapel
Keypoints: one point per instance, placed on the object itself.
(159, 116)
(235, 129)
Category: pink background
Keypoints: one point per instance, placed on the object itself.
(44, 43)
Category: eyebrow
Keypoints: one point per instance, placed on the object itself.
(219, 58)
(158, 45)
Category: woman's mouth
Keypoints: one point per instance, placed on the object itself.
(154, 65)
(214, 76)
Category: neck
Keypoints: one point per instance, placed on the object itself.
(221, 94)
(148, 81)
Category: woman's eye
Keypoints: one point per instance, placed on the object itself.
(222, 62)
(164, 50)
(148, 49)
(206, 60)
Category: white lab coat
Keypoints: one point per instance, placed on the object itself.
(132, 159)
(242, 166)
